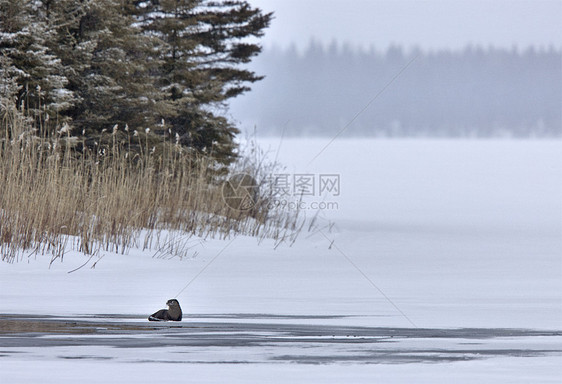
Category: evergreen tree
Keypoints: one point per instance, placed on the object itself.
(202, 45)
(97, 63)
(104, 58)
(30, 73)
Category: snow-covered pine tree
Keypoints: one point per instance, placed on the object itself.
(202, 46)
(30, 73)
(105, 59)
(98, 63)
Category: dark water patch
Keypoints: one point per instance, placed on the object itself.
(85, 357)
(408, 356)
(242, 330)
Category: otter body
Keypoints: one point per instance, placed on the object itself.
(173, 313)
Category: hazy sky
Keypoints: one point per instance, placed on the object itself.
(430, 24)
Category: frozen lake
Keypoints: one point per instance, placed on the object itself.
(443, 252)
(261, 338)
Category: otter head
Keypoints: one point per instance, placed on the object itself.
(172, 303)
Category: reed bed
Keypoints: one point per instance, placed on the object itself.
(61, 193)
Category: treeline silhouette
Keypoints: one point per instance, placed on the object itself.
(474, 92)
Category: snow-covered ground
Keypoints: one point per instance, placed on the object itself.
(421, 234)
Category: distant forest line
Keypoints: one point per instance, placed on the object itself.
(475, 92)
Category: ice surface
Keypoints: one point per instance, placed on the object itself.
(455, 234)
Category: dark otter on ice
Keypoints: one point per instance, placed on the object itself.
(173, 313)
